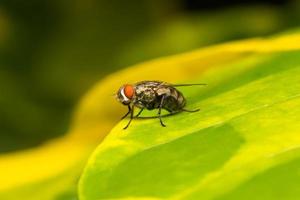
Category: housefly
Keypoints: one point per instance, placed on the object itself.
(152, 95)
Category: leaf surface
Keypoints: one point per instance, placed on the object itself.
(50, 171)
(246, 132)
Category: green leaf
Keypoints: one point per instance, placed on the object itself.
(240, 145)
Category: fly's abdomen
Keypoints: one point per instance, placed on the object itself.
(174, 100)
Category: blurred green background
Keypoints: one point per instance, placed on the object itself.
(52, 52)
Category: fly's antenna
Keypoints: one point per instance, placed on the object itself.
(192, 84)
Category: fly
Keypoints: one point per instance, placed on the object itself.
(153, 95)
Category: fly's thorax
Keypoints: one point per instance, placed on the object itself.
(145, 97)
(145, 93)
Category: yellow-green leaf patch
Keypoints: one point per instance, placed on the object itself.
(247, 129)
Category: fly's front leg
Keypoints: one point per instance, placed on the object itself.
(129, 109)
(159, 110)
(131, 116)
(139, 112)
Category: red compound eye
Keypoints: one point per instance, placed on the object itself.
(128, 91)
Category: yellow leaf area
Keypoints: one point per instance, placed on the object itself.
(53, 168)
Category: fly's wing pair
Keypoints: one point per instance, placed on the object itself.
(191, 84)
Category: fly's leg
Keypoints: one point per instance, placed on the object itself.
(139, 112)
(129, 109)
(131, 117)
(191, 111)
(159, 110)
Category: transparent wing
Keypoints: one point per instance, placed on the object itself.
(188, 84)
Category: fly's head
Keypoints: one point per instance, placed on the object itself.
(126, 94)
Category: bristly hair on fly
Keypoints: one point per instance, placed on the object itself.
(153, 95)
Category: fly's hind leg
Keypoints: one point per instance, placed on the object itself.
(159, 110)
(191, 111)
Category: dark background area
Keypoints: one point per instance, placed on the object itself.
(197, 5)
(52, 52)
